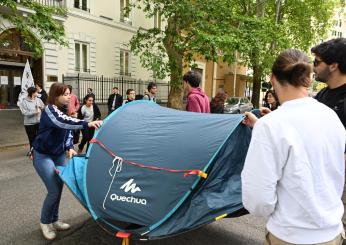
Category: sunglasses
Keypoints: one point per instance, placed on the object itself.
(317, 62)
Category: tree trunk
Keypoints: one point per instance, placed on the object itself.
(257, 70)
(278, 11)
(175, 97)
(256, 82)
(260, 6)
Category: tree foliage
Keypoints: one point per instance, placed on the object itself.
(254, 29)
(41, 21)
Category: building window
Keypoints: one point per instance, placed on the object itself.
(336, 33)
(81, 4)
(124, 17)
(82, 57)
(157, 20)
(125, 63)
(337, 23)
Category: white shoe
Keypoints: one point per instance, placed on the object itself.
(61, 226)
(48, 231)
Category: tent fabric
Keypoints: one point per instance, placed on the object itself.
(157, 203)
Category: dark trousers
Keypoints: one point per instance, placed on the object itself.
(88, 134)
(31, 132)
(75, 134)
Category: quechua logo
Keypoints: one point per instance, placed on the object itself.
(129, 187)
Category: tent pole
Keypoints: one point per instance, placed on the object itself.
(126, 241)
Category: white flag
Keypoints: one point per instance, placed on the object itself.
(27, 82)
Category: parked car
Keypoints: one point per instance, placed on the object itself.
(236, 105)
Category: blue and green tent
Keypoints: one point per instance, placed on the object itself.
(153, 172)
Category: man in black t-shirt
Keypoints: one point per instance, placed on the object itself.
(330, 68)
(335, 99)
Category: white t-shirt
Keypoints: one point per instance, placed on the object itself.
(294, 172)
(88, 113)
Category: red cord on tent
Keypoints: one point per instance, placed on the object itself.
(186, 172)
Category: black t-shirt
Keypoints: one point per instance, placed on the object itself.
(335, 99)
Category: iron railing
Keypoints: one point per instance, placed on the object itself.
(52, 3)
(102, 87)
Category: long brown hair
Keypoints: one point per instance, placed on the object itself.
(56, 90)
(218, 102)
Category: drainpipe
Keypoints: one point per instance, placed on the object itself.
(213, 92)
(235, 74)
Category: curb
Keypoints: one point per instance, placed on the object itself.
(13, 145)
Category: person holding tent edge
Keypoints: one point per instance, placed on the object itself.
(294, 168)
(53, 140)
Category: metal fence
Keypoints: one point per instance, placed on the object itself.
(102, 87)
(52, 3)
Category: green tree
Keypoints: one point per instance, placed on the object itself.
(189, 30)
(253, 30)
(292, 24)
(41, 20)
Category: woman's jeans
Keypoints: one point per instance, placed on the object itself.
(45, 167)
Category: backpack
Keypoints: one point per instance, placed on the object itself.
(149, 98)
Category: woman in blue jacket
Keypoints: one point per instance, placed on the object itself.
(53, 141)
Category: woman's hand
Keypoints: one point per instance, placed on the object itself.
(95, 124)
(264, 111)
(71, 153)
(250, 119)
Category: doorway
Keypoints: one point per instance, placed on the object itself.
(14, 53)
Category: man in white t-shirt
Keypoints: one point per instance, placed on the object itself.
(294, 169)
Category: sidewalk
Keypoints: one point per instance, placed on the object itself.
(12, 129)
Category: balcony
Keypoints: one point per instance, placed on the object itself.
(125, 73)
(82, 69)
(52, 3)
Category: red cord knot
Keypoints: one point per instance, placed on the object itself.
(196, 172)
(121, 234)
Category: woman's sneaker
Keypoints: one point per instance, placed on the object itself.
(48, 231)
(60, 226)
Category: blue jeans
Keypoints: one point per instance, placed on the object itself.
(45, 167)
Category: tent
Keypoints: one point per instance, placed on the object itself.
(153, 172)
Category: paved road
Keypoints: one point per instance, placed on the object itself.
(21, 195)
